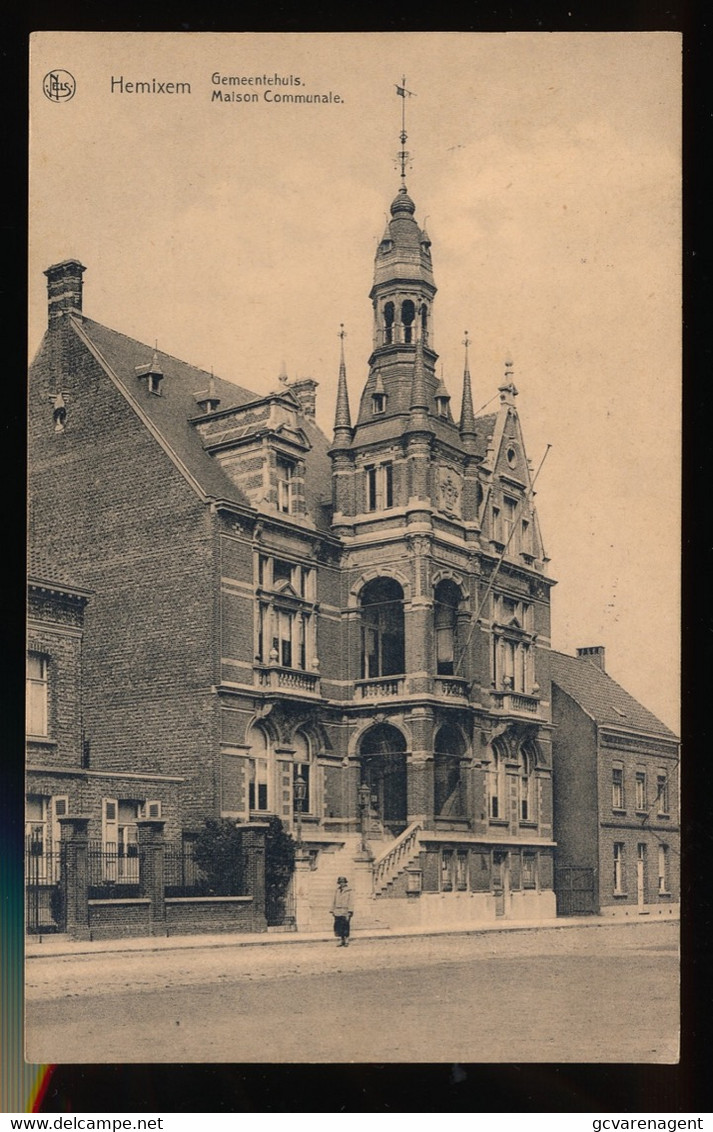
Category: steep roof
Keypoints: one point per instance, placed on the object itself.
(601, 697)
(484, 428)
(170, 414)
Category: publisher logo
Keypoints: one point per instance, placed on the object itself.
(59, 86)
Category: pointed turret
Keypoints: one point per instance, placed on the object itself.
(467, 416)
(342, 415)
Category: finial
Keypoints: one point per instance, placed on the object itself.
(508, 389)
(403, 155)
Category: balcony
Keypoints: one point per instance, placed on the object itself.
(295, 680)
(515, 703)
(381, 688)
(450, 687)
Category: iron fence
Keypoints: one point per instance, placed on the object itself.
(575, 891)
(43, 909)
(114, 869)
(181, 874)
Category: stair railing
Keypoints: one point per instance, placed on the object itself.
(396, 857)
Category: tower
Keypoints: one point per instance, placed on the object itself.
(446, 622)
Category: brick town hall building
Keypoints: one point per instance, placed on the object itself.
(254, 604)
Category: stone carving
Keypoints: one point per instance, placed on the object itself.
(449, 490)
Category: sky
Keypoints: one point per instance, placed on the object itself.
(546, 167)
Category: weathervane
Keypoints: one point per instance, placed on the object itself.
(403, 154)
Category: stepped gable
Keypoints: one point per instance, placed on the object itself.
(172, 412)
(605, 701)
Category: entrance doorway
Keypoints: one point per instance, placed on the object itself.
(383, 770)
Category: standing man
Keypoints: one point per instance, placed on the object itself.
(342, 910)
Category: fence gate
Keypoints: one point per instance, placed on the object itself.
(575, 891)
(43, 911)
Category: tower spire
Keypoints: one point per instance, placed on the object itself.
(403, 154)
(342, 415)
(467, 416)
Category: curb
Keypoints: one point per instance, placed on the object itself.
(46, 950)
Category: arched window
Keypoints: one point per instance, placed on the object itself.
(424, 322)
(388, 323)
(448, 786)
(445, 616)
(382, 622)
(303, 769)
(259, 771)
(408, 313)
(526, 806)
(496, 784)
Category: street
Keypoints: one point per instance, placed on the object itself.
(595, 993)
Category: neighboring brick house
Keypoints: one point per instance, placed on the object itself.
(366, 619)
(59, 776)
(616, 797)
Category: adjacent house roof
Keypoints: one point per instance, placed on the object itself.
(601, 697)
(171, 412)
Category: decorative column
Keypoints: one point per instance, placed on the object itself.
(74, 848)
(253, 845)
(151, 872)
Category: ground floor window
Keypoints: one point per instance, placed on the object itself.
(618, 868)
(663, 869)
(120, 840)
(454, 870)
(529, 870)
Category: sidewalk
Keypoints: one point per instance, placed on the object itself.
(54, 946)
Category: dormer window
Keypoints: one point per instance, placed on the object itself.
(378, 403)
(153, 374)
(442, 406)
(285, 485)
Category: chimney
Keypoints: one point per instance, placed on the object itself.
(305, 390)
(64, 288)
(595, 653)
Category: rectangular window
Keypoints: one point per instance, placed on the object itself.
(285, 484)
(509, 511)
(379, 487)
(640, 781)
(619, 867)
(127, 847)
(462, 870)
(378, 402)
(371, 489)
(497, 529)
(37, 697)
(662, 793)
(617, 788)
(663, 869)
(257, 784)
(388, 475)
(528, 870)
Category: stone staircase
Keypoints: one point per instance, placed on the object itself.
(314, 888)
